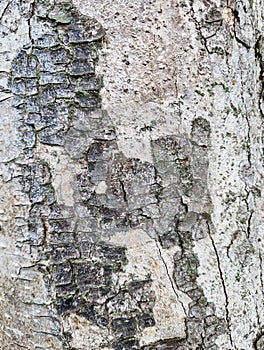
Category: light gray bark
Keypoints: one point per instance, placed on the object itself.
(131, 174)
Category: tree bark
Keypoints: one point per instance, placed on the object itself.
(131, 174)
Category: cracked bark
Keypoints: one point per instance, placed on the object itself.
(223, 285)
(130, 175)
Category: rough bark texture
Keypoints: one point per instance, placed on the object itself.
(131, 174)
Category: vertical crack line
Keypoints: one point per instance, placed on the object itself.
(223, 285)
(236, 17)
(198, 28)
(44, 222)
(249, 221)
(259, 59)
(32, 10)
(123, 190)
(262, 288)
(261, 271)
(170, 278)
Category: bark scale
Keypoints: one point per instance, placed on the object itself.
(131, 175)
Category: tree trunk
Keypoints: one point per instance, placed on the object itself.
(131, 174)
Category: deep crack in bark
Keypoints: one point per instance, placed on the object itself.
(228, 320)
(170, 278)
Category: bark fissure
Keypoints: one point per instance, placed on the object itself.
(5, 10)
(259, 58)
(5, 98)
(261, 267)
(32, 11)
(228, 320)
(123, 190)
(170, 277)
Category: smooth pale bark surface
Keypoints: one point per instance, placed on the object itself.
(131, 175)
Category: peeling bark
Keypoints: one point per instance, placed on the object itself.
(131, 175)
